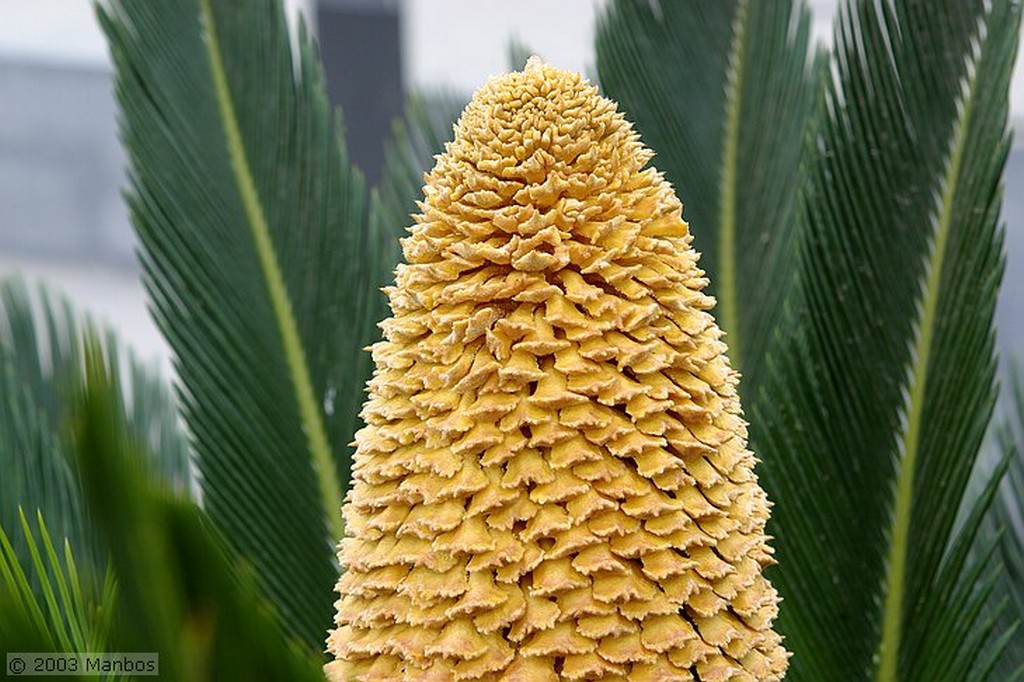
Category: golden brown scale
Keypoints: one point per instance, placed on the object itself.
(553, 483)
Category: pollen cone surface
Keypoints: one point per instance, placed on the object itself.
(553, 483)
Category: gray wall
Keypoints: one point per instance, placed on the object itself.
(60, 165)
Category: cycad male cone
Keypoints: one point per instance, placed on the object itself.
(553, 482)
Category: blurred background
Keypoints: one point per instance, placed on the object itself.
(62, 219)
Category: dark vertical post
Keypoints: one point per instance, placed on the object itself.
(361, 51)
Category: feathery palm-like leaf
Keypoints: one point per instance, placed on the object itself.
(254, 246)
(426, 125)
(36, 474)
(180, 593)
(40, 365)
(723, 92)
(46, 600)
(68, 612)
(1007, 521)
(871, 417)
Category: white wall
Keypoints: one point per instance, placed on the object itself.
(460, 43)
(62, 30)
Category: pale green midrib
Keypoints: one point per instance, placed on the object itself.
(727, 270)
(899, 547)
(312, 424)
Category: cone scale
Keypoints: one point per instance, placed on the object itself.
(553, 482)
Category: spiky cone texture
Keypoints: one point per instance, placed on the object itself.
(553, 482)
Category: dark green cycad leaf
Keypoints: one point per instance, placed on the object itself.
(254, 245)
(47, 603)
(723, 92)
(40, 366)
(56, 585)
(36, 474)
(427, 124)
(1007, 521)
(180, 592)
(874, 407)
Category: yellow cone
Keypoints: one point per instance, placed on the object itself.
(553, 482)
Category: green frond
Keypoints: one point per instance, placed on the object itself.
(881, 384)
(36, 472)
(181, 593)
(255, 243)
(733, 152)
(1006, 522)
(40, 366)
(422, 131)
(1011, 498)
(65, 612)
